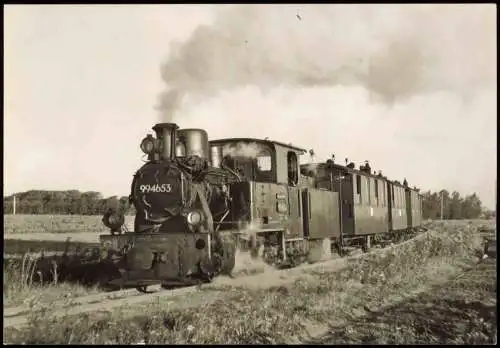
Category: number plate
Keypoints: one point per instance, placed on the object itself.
(158, 188)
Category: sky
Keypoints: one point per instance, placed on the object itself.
(412, 89)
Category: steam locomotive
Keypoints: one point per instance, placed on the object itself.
(197, 201)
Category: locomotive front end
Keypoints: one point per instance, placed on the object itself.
(173, 237)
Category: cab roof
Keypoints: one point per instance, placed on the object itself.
(262, 141)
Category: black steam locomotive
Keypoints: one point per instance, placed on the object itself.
(197, 200)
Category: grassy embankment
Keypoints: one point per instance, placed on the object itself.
(429, 290)
(21, 284)
(37, 233)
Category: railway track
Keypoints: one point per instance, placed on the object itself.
(17, 317)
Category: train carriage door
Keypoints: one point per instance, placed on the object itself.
(409, 206)
(295, 224)
(390, 203)
(360, 199)
(343, 185)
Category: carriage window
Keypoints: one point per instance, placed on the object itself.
(264, 162)
(358, 184)
(376, 188)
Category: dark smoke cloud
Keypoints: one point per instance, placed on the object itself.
(393, 51)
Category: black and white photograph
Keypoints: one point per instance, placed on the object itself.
(292, 174)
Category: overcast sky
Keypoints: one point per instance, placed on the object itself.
(413, 90)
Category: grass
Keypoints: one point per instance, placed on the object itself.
(35, 224)
(460, 311)
(26, 233)
(23, 284)
(393, 287)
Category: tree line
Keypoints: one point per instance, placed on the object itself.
(93, 203)
(453, 206)
(62, 202)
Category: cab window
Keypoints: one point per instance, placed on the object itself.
(264, 161)
(292, 168)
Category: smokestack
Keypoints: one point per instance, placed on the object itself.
(166, 134)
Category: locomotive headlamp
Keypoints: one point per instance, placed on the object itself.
(148, 144)
(194, 217)
(113, 220)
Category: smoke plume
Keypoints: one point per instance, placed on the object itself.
(411, 88)
(312, 168)
(242, 149)
(393, 51)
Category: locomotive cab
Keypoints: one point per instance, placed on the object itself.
(267, 198)
(266, 204)
(258, 160)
